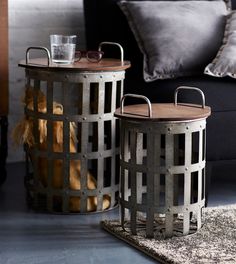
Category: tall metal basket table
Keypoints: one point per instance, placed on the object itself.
(87, 94)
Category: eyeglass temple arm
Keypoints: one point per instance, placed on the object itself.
(114, 44)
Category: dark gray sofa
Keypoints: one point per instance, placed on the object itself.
(104, 21)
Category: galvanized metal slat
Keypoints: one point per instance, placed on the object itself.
(113, 96)
(84, 145)
(169, 183)
(187, 181)
(139, 160)
(133, 182)
(122, 175)
(126, 173)
(113, 161)
(101, 161)
(50, 163)
(177, 157)
(200, 147)
(200, 169)
(35, 157)
(100, 139)
(198, 211)
(66, 147)
(157, 164)
(113, 142)
(36, 90)
(204, 170)
(122, 87)
(150, 185)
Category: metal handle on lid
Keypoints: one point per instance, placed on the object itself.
(38, 48)
(115, 44)
(189, 88)
(136, 96)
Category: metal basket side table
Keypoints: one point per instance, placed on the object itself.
(74, 169)
(162, 186)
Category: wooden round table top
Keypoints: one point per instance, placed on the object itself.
(82, 65)
(164, 112)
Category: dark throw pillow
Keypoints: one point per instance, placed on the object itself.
(177, 38)
(224, 63)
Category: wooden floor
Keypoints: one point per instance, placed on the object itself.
(27, 237)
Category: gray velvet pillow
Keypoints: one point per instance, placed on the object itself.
(177, 38)
(224, 63)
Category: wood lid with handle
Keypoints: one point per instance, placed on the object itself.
(106, 64)
(164, 111)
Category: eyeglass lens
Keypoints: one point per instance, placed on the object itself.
(92, 56)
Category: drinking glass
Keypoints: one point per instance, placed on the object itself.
(63, 48)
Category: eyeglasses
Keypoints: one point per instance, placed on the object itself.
(92, 55)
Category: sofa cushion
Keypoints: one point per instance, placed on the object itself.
(220, 93)
(177, 38)
(224, 63)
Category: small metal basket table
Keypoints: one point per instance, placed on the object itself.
(162, 186)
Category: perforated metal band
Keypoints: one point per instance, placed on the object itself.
(88, 100)
(162, 176)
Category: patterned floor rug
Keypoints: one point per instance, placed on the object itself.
(214, 243)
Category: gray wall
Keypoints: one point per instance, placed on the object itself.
(30, 24)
